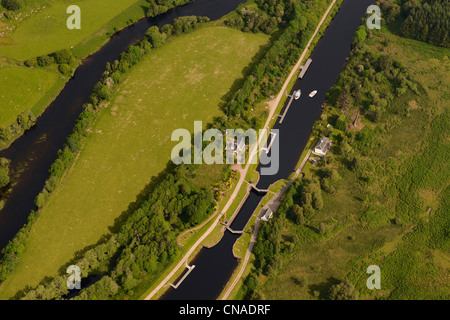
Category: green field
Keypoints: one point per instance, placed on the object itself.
(409, 175)
(45, 32)
(130, 143)
(22, 89)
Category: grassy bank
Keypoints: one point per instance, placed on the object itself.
(45, 31)
(23, 89)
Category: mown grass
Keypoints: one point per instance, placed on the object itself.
(46, 31)
(410, 174)
(22, 89)
(130, 143)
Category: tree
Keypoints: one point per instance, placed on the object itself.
(343, 291)
(65, 69)
(12, 5)
(4, 172)
(297, 215)
(155, 37)
(44, 61)
(341, 123)
(63, 56)
(356, 163)
(322, 228)
(317, 200)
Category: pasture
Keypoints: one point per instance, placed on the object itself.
(131, 142)
(44, 29)
(25, 89)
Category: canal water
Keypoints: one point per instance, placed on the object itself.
(33, 153)
(214, 266)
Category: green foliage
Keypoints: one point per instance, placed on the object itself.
(31, 63)
(63, 56)
(250, 21)
(155, 37)
(343, 291)
(360, 35)
(44, 61)
(12, 5)
(429, 22)
(4, 172)
(374, 217)
(65, 69)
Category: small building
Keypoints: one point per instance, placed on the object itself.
(323, 146)
(267, 215)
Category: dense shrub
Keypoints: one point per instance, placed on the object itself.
(65, 69)
(31, 63)
(44, 61)
(12, 5)
(63, 56)
(4, 172)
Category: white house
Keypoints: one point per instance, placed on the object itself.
(323, 146)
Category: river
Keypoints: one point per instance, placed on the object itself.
(214, 266)
(33, 153)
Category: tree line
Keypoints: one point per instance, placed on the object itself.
(144, 244)
(424, 20)
(296, 22)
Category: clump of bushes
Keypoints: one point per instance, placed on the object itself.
(24, 121)
(250, 21)
(12, 5)
(4, 172)
(343, 291)
(63, 58)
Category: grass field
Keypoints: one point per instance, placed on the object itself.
(46, 31)
(22, 89)
(169, 89)
(410, 175)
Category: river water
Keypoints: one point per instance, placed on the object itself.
(214, 266)
(33, 153)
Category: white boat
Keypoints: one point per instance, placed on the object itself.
(297, 94)
(313, 93)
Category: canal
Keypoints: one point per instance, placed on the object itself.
(215, 265)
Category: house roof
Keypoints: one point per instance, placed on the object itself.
(323, 145)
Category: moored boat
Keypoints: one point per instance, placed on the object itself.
(313, 93)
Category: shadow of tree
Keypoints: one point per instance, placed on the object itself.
(322, 288)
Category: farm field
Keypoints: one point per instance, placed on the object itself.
(45, 32)
(409, 179)
(22, 89)
(130, 143)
